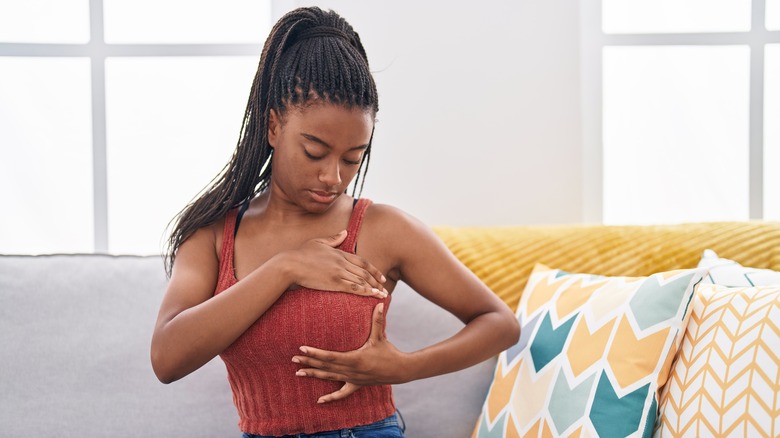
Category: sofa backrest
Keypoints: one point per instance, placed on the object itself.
(75, 333)
(503, 257)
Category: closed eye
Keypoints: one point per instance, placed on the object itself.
(310, 156)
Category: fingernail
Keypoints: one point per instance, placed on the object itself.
(382, 279)
(300, 373)
(376, 291)
(304, 350)
(320, 401)
(295, 359)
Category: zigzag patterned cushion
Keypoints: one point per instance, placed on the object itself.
(730, 273)
(592, 353)
(726, 380)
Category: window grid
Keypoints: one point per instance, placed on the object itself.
(594, 40)
(97, 50)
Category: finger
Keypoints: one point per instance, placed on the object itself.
(344, 392)
(334, 240)
(378, 323)
(353, 283)
(319, 374)
(322, 355)
(372, 273)
(309, 362)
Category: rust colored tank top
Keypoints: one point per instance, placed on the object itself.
(269, 397)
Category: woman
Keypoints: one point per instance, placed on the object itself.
(286, 277)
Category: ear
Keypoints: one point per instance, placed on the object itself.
(274, 126)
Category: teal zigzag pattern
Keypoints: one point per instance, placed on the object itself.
(549, 341)
(567, 404)
(656, 301)
(614, 416)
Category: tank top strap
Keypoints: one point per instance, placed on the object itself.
(226, 274)
(355, 223)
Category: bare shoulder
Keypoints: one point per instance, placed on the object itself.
(391, 220)
(401, 237)
(395, 228)
(200, 251)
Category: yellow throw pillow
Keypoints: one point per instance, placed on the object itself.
(726, 380)
(592, 354)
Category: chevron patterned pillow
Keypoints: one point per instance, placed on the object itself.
(730, 273)
(592, 354)
(726, 380)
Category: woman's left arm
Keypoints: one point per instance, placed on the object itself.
(427, 265)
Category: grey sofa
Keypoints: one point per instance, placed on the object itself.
(75, 331)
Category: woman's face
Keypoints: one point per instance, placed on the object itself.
(317, 152)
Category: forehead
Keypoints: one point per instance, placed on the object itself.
(333, 121)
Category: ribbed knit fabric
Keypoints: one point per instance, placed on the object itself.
(270, 398)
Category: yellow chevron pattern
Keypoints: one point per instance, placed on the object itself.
(726, 380)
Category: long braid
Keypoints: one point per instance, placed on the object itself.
(329, 64)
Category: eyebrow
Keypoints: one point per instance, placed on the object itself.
(324, 143)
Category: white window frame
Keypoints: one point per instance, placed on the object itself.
(97, 50)
(593, 42)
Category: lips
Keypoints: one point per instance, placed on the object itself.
(323, 197)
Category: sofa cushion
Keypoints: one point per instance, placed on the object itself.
(730, 273)
(503, 257)
(592, 349)
(75, 331)
(441, 406)
(725, 380)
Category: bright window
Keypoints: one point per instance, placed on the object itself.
(104, 139)
(46, 155)
(186, 21)
(772, 134)
(773, 14)
(44, 21)
(167, 139)
(682, 126)
(675, 16)
(675, 134)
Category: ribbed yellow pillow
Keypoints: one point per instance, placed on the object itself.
(504, 256)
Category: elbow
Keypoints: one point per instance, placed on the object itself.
(165, 378)
(513, 332)
(510, 329)
(165, 372)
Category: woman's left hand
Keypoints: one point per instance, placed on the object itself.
(377, 362)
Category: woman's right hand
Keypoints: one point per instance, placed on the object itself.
(318, 264)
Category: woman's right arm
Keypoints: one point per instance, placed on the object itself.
(193, 326)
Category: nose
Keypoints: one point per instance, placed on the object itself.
(330, 173)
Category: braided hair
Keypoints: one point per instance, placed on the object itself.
(309, 55)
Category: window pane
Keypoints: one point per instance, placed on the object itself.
(772, 133)
(44, 21)
(773, 14)
(675, 134)
(672, 16)
(172, 125)
(45, 156)
(186, 21)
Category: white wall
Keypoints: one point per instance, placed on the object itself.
(479, 120)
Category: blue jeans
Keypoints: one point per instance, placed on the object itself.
(387, 428)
